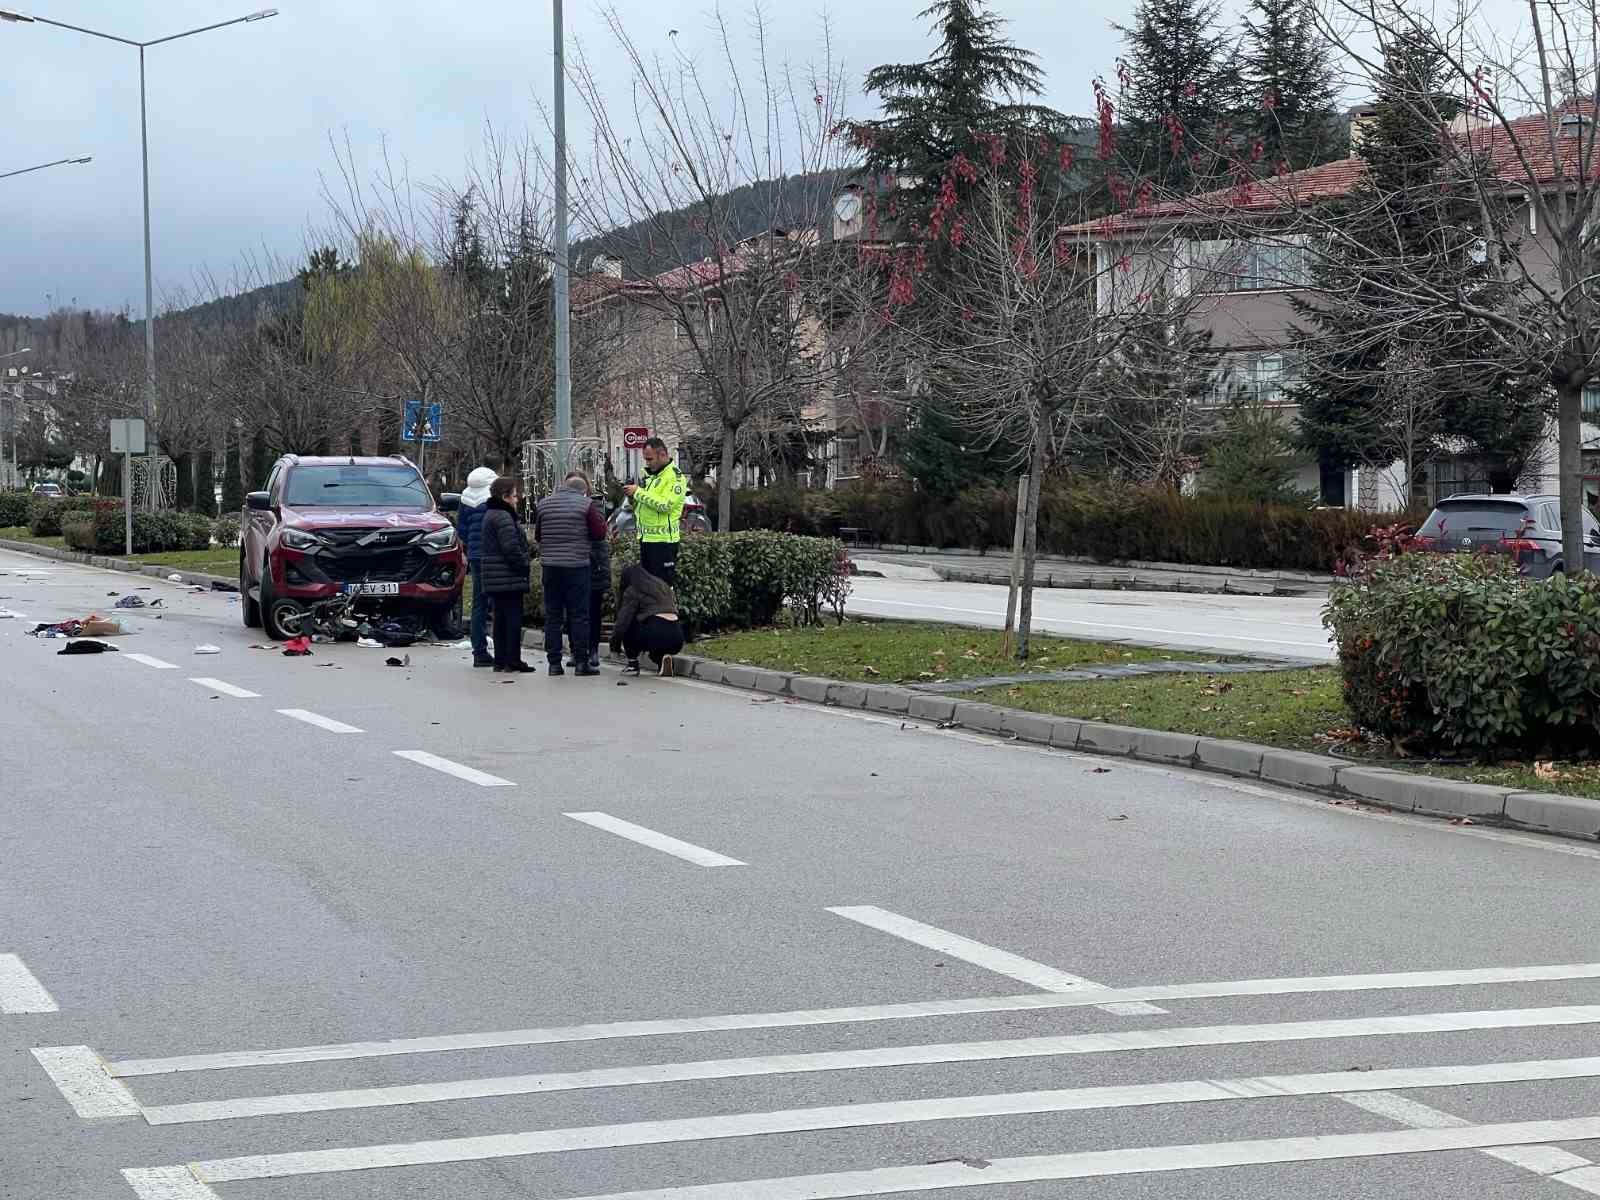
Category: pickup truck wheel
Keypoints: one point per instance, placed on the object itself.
(249, 610)
(445, 623)
(274, 611)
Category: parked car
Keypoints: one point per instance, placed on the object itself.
(52, 490)
(695, 518)
(324, 525)
(1526, 527)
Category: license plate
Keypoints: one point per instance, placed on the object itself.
(377, 589)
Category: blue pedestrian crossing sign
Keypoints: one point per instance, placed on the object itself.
(430, 427)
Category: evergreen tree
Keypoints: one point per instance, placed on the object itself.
(260, 461)
(1289, 105)
(1253, 458)
(184, 464)
(1180, 85)
(974, 97)
(974, 85)
(232, 479)
(944, 456)
(1404, 220)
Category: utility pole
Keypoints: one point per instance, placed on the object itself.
(561, 291)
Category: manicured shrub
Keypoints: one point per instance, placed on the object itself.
(1460, 652)
(46, 515)
(737, 580)
(15, 509)
(226, 531)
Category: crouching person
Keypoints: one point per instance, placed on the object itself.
(647, 621)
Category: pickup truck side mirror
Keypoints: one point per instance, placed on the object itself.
(258, 501)
(449, 502)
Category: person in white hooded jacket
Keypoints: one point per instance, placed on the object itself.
(469, 527)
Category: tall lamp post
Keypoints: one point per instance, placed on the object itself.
(561, 294)
(58, 163)
(13, 354)
(144, 152)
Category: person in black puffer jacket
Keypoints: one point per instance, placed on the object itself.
(504, 572)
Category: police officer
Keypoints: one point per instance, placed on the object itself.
(658, 510)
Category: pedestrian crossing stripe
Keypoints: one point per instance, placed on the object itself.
(916, 1010)
(871, 1059)
(896, 1112)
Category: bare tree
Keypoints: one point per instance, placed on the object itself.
(746, 148)
(1516, 122)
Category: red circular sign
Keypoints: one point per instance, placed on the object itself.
(634, 438)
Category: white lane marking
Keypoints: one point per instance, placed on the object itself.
(871, 1059)
(893, 1112)
(166, 1183)
(667, 1026)
(1001, 962)
(20, 991)
(148, 661)
(1045, 621)
(1094, 1164)
(81, 1075)
(321, 722)
(1541, 1160)
(656, 841)
(471, 775)
(227, 689)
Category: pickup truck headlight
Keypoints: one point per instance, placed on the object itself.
(299, 539)
(440, 539)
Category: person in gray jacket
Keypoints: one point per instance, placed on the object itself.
(568, 524)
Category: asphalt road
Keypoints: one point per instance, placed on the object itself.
(786, 951)
(1279, 627)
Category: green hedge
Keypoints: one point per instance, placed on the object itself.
(45, 516)
(1106, 523)
(102, 531)
(16, 509)
(739, 580)
(1460, 652)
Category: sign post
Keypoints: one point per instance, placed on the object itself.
(127, 439)
(422, 425)
(633, 439)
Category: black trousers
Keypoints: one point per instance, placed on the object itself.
(661, 560)
(655, 636)
(507, 607)
(597, 616)
(566, 598)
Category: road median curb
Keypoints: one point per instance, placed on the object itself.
(127, 566)
(1378, 787)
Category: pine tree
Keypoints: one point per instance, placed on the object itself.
(974, 85)
(1402, 221)
(945, 457)
(1180, 85)
(974, 96)
(1289, 106)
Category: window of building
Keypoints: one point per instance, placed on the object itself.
(1591, 403)
(847, 456)
(1250, 266)
(1259, 378)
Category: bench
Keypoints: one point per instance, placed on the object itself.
(852, 535)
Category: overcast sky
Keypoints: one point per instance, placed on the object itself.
(240, 117)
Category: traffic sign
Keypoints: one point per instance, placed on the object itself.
(431, 427)
(127, 437)
(634, 437)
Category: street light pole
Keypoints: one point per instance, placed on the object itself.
(151, 472)
(11, 480)
(58, 163)
(561, 290)
(6, 15)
